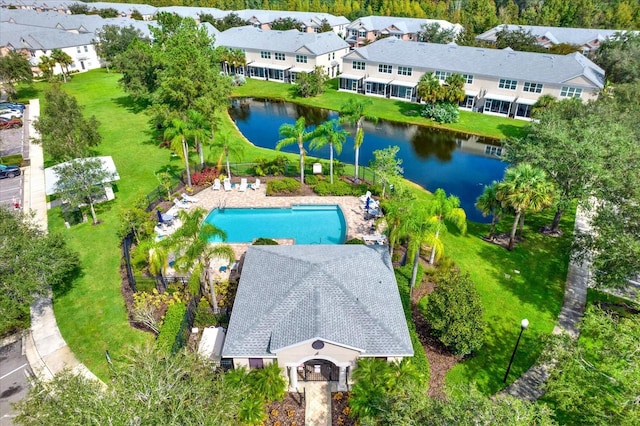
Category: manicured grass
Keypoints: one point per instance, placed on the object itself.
(535, 293)
(388, 109)
(91, 312)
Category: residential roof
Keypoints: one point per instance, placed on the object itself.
(27, 37)
(307, 18)
(557, 35)
(504, 63)
(249, 37)
(344, 294)
(123, 8)
(51, 176)
(194, 12)
(405, 25)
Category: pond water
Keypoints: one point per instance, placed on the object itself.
(459, 163)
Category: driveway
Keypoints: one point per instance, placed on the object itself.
(14, 141)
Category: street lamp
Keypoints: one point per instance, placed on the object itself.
(523, 324)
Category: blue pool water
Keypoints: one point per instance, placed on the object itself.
(306, 224)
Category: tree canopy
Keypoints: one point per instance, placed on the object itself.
(114, 40)
(14, 68)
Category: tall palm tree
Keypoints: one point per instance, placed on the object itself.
(418, 226)
(488, 204)
(230, 146)
(198, 130)
(454, 88)
(429, 88)
(445, 209)
(237, 58)
(211, 252)
(46, 65)
(396, 211)
(354, 112)
(157, 257)
(64, 60)
(295, 133)
(330, 133)
(524, 188)
(178, 134)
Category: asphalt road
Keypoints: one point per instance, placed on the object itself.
(13, 379)
(13, 141)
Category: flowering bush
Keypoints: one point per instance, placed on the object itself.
(441, 112)
(205, 177)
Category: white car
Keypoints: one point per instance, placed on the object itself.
(10, 113)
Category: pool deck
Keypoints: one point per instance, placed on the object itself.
(357, 225)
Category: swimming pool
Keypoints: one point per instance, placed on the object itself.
(306, 224)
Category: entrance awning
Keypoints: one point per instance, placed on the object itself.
(404, 83)
(526, 101)
(351, 76)
(377, 80)
(499, 97)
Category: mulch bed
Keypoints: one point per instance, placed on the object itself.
(288, 412)
(340, 410)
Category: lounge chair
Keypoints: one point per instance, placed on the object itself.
(216, 184)
(227, 184)
(373, 205)
(181, 204)
(256, 185)
(365, 196)
(243, 185)
(188, 198)
(375, 239)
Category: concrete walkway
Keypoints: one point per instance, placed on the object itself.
(530, 386)
(317, 403)
(46, 350)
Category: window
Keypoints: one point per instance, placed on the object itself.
(354, 32)
(357, 65)
(405, 70)
(570, 92)
(468, 78)
(333, 55)
(265, 55)
(362, 34)
(86, 48)
(302, 59)
(442, 75)
(255, 363)
(508, 84)
(78, 49)
(386, 69)
(532, 87)
(279, 56)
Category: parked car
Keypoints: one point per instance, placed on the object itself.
(11, 105)
(10, 123)
(9, 171)
(10, 113)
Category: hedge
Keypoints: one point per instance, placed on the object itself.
(12, 160)
(171, 326)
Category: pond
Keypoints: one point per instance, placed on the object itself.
(459, 163)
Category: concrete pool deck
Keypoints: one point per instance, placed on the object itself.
(351, 207)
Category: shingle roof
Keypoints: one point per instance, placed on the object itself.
(27, 37)
(250, 37)
(268, 16)
(576, 36)
(406, 25)
(345, 294)
(505, 63)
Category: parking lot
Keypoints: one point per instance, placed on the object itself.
(13, 141)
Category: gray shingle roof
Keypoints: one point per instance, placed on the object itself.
(406, 25)
(535, 67)
(28, 37)
(268, 16)
(250, 37)
(345, 294)
(577, 36)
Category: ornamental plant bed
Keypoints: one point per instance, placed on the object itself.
(288, 412)
(340, 410)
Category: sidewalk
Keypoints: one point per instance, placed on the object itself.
(530, 386)
(46, 350)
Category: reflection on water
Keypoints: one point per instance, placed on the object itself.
(459, 163)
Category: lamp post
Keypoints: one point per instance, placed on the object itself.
(523, 324)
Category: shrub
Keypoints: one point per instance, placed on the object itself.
(204, 317)
(171, 327)
(238, 80)
(339, 188)
(454, 311)
(441, 112)
(274, 167)
(12, 160)
(205, 177)
(354, 241)
(265, 242)
(268, 382)
(311, 180)
(283, 186)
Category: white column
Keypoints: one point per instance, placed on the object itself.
(342, 379)
(293, 378)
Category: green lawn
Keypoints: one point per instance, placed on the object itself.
(388, 109)
(91, 314)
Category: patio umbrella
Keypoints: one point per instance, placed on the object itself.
(366, 205)
(160, 218)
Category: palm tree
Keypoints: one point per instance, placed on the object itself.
(418, 226)
(488, 204)
(523, 188)
(330, 133)
(237, 58)
(396, 211)
(354, 112)
(229, 146)
(157, 257)
(178, 134)
(198, 126)
(211, 252)
(64, 60)
(445, 209)
(46, 65)
(454, 89)
(429, 88)
(296, 133)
